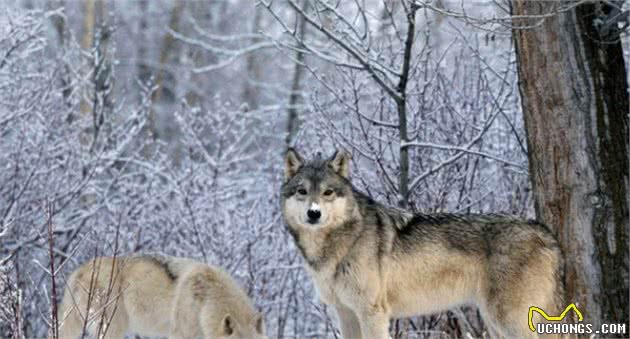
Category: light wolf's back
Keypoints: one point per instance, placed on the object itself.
(105, 294)
(175, 267)
(153, 295)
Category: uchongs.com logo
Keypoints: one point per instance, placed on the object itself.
(558, 325)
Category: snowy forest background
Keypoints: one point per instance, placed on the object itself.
(160, 126)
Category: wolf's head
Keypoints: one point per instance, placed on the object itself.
(316, 194)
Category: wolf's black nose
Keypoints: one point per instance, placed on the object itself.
(313, 215)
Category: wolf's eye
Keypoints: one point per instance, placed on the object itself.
(301, 191)
(328, 192)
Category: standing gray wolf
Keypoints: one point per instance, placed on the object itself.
(156, 295)
(373, 262)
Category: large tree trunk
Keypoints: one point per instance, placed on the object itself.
(575, 105)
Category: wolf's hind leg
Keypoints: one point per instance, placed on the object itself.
(185, 320)
(70, 316)
(374, 323)
(191, 289)
(70, 323)
(506, 308)
(114, 322)
(348, 322)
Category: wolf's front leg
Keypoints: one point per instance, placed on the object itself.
(374, 323)
(349, 323)
(184, 317)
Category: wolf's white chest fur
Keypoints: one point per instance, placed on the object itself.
(325, 284)
(345, 286)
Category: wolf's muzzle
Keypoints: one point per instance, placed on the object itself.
(313, 216)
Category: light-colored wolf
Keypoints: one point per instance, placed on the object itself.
(373, 262)
(156, 295)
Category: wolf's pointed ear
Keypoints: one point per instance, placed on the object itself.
(228, 325)
(292, 163)
(340, 163)
(259, 323)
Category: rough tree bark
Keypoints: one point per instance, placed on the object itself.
(575, 105)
